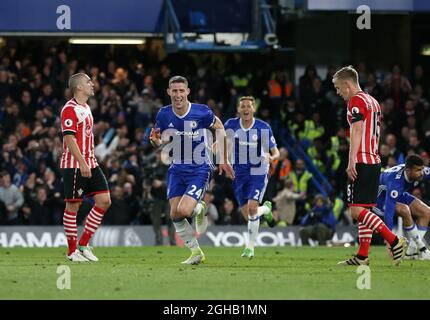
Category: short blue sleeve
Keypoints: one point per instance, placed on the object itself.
(159, 121)
(392, 194)
(208, 117)
(272, 141)
(228, 124)
(267, 139)
(426, 173)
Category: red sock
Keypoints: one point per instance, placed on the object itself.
(92, 222)
(372, 221)
(71, 230)
(364, 239)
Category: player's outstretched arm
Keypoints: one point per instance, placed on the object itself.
(221, 138)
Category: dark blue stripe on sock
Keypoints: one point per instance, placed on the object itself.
(409, 228)
(421, 228)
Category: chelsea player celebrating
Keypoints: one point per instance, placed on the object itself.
(393, 197)
(182, 127)
(251, 139)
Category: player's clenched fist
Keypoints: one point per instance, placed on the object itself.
(155, 137)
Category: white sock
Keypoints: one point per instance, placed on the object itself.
(422, 232)
(253, 225)
(413, 233)
(262, 210)
(186, 233)
(196, 209)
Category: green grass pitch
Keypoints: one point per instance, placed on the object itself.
(156, 273)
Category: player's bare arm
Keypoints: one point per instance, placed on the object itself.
(356, 134)
(274, 154)
(225, 165)
(74, 149)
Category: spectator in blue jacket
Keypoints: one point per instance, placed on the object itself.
(319, 223)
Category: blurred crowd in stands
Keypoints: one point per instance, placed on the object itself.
(307, 115)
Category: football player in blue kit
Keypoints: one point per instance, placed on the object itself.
(181, 128)
(393, 197)
(254, 148)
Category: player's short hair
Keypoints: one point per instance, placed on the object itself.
(413, 160)
(74, 80)
(346, 73)
(178, 79)
(249, 98)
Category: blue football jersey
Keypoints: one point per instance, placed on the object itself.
(250, 145)
(392, 186)
(190, 141)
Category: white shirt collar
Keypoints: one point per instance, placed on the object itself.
(185, 114)
(243, 128)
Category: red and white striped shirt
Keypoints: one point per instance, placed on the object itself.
(77, 119)
(364, 107)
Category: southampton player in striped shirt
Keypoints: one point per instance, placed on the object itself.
(254, 148)
(364, 166)
(81, 173)
(191, 169)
